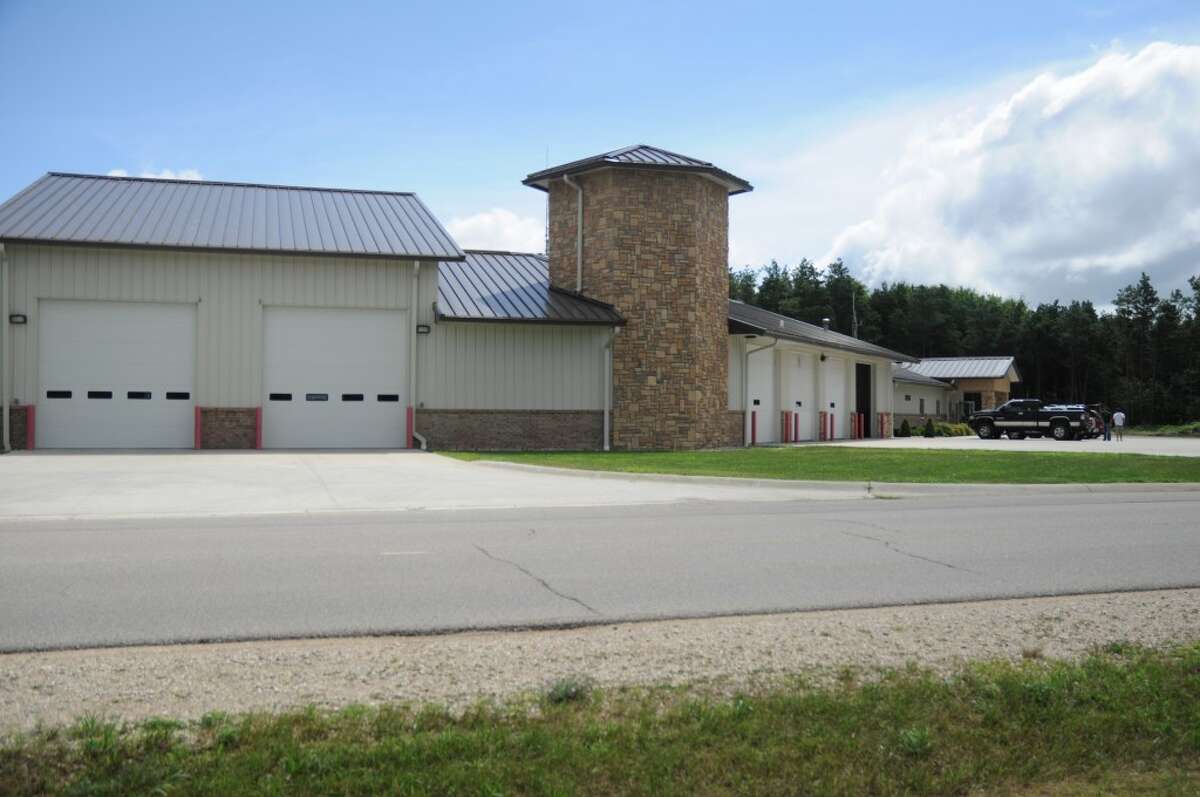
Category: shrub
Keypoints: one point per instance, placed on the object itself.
(943, 429)
(905, 430)
(928, 427)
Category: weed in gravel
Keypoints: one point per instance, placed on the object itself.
(571, 689)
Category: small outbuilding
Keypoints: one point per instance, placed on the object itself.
(918, 397)
(978, 383)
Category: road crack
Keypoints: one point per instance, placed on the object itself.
(545, 584)
(891, 546)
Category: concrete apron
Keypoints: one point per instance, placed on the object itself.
(201, 484)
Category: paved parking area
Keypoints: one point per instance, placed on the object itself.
(200, 483)
(1169, 446)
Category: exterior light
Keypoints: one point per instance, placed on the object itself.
(424, 329)
(18, 319)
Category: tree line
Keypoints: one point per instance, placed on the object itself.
(1143, 356)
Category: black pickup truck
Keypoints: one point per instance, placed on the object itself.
(1021, 418)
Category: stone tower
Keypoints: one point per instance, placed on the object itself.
(655, 245)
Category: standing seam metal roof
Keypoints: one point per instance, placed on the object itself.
(643, 156)
(202, 214)
(772, 324)
(907, 373)
(965, 367)
(512, 287)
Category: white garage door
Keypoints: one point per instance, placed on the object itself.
(115, 374)
(762, 397)
(335, 378)
(835, 396)
(799, 383)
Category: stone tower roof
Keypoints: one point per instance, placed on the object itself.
(640, 156)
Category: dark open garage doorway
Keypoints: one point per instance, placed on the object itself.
(862, 391)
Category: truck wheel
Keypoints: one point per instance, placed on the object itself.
(1061, 431)
(1016, 435)
(985, 431)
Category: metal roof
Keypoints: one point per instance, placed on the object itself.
(640, 156)
(763, 322)
(201, 214)
(512, 287)
(906, 373)
(967, 367)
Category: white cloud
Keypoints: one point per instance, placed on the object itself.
(163, 174)
(1082, 178)
(499, 228)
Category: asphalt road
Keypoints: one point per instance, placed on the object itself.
(83, 583)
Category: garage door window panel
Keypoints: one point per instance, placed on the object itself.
(108, 365)
(330, 360)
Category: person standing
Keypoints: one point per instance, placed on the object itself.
(1119, 424)
(1106, 423)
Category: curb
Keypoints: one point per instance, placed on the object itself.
(868, 489)
(726, 481)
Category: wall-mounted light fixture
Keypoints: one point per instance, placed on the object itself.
(18, 319)
(424, 329)
(822, 358)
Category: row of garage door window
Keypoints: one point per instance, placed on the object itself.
(389, 397)
(144, 395)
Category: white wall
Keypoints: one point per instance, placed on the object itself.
(908, 399)
(801, 375)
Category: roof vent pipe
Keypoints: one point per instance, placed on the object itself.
(578, 231)
(825, 324)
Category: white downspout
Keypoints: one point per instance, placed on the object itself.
(608, 364)
(578, 231)
(414, 303)
(746, 409)
(5, 358)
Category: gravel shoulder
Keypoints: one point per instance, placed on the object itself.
(185, 681)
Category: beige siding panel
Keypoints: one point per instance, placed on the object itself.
(465, 366)
(228, 289)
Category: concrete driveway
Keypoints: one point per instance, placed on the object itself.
(202, 483)
(1168, 446)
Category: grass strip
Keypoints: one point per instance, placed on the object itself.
(1122, 716)
(842, 463)
(1167, 430)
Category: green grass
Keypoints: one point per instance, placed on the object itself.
(830, 463)
(1123, 718)
(1167, 430)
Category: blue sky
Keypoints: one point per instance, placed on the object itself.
(459, 101)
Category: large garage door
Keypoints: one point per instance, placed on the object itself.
(762, 397)
(335, 378)
(835, 396)
(115, 374)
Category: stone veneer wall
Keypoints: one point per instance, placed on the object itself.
(511, 430)
(656, 247)
(224, 427)
(735, 429)
(17, 425)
